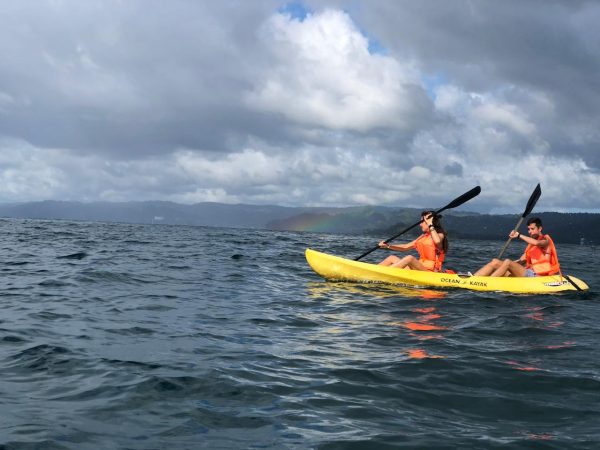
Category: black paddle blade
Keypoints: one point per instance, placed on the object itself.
(463, 198)
(535, 196)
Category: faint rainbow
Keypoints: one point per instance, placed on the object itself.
(311, 222)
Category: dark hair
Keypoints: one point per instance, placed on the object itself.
(535, 220)
(437, 224)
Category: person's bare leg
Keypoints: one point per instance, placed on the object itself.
(510, 268)
(390, 260)
(516, 270)
(490, 267)
(502, 269)
(415, 264)
(409, 262)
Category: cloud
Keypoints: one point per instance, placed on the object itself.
(539, 49)
(323, 74)
(25, 172)
(327, 102)
(136, 77)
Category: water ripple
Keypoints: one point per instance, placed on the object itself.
(141, 337)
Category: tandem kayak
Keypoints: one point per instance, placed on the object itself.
(336, 268)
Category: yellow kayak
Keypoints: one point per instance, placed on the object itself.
(341, 269)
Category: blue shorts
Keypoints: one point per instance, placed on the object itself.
(530, 273)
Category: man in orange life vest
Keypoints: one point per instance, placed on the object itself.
(540, 256)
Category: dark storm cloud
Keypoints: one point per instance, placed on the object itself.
(108, 76)
(549, 48)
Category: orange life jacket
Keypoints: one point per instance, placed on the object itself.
(429, 255)
(543, 261)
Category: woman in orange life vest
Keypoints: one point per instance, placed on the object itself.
(540, 256)
(432, 246)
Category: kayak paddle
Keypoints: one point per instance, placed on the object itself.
(537, 192)
(453, 204)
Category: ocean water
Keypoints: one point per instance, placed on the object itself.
(153, 337)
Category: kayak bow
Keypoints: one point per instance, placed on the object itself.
(336, 268)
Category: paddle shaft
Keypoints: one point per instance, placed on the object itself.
(533, 198)
(391, 239)
(453, 204)
(510, 239)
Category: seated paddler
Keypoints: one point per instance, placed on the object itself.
(431, 246)
(539, 259)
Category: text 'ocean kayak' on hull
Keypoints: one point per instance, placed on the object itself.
(341, 269)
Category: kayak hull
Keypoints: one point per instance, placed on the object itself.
(336, 268)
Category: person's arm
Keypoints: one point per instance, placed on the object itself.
(522, 259)
(543, 243)
(398, 247)
(437, 238)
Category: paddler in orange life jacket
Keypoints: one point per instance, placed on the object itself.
(540, 256)
(432, 247)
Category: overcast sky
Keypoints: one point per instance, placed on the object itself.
(320, 103)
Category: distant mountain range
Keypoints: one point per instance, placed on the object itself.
(336, 220)
(205, 214)
(374, 220)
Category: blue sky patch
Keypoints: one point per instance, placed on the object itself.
(375, 47)
(296, 10)
(432, 82)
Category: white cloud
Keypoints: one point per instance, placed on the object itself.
(506, 115)
(323, 75)
(6, 101)
(199, 195)
(27, 173)
(248, 167)
(310, 176)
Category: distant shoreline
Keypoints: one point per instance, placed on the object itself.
(575, 228)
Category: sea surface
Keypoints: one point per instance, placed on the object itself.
(120, 336)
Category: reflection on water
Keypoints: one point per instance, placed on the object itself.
(421, 326)
(565, 344)
(523, 366)
(342, 291)
(421, 322)
(539, 318)
(540, 437)
(419, 353)
(539, 314)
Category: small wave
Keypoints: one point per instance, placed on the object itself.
(78, 255)
(43, 349)
(47, 315)
(44, 357)
(126, 363)
(103, 276)
(53, 283)
(133, 331)
(154, 307)
(33, 444)
(12, 339)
